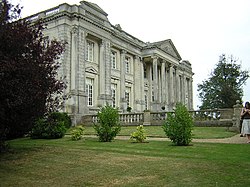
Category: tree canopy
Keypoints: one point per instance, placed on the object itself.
(224, 86)
(29, 84)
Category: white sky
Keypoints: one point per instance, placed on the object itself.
(200, 30)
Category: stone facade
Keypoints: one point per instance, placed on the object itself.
(103, 64)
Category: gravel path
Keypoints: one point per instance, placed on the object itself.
(233, 140)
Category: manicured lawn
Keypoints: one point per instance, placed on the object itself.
(157, 131)
(87, 162)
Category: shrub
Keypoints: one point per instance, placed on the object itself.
(77, 133)
(178, 126)
(39, 128)
(55, 129)
(108, 125)
(139, 135)
(62, 116)
(49, 128)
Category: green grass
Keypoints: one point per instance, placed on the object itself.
(157, 131)
(87, 162)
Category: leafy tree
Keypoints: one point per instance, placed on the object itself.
(224, 86)
(29, 84)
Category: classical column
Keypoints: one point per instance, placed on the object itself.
(155, 83)
(159, 86)
(186, 91)
(171, 86)
(150, 87)
(142, 96)
(167, 86)
(192, 101)
(177, 82)
(155, 78)
(137, 80)
(122, 81)
(163, 80)
(183, 88)
(190, 93)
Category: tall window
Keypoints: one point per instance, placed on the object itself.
(90, 51)
(113, 94)
(127, 96)
(127, 64)
(89, 90)
(113, 59)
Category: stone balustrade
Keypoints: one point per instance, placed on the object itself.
(213, 117)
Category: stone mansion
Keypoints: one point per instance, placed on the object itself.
(103, 64)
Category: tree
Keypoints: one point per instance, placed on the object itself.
(29, 84)
(224, 86)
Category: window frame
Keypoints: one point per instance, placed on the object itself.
(127, 64)
(90, 51)
(113, 95)
(113, 60)
(90, 91)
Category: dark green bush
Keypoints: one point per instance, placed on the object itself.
(178, 126)
(39, 128)
(49, 128)
(61, 116)
(108, 125)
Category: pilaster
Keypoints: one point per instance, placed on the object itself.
(101, 94)
(107, 67)
(163, 80)
(122, 83)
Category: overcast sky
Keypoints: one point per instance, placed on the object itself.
(201, 30)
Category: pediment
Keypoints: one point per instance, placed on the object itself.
(91, 69)
(168, 47)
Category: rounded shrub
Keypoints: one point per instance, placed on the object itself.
(139, 135)
(39, 128)
(77, 133)
(178, 126)
(49, 128)
(108, 125)
(61, 116)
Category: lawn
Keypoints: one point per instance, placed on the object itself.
(87, 162)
